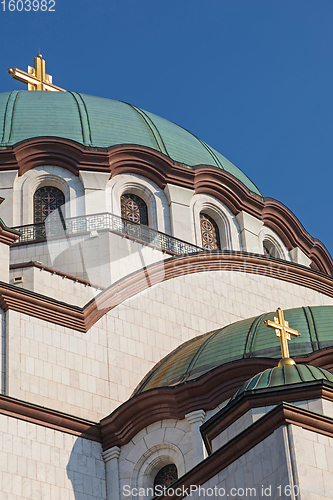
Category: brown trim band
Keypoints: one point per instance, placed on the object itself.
(7, 236)
(52, 419)
(205, 393)
(318, 389)
(245, 441)
(42, 307)
(162, 170)
(82, 319)
(38, 265)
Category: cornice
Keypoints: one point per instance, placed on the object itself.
(318, 389)
(103, 432)
(39, 265)
(82, 319)
(7, 236)
(41, 306)
(52, 419)
(283, 414)
(162, 170)
(205, 393)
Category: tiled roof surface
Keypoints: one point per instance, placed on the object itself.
(101, 123)
(248, 338)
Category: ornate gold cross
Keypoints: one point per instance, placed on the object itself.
(36, 78)
(282, 330)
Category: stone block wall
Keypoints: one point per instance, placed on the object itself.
(41, 463)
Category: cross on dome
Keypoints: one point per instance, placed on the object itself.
(35, 78)
(283, 331)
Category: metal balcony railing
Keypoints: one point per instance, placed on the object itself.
(62, 228)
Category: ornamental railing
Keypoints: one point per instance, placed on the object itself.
(62, 228)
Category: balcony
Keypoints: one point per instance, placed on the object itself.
(74, 226)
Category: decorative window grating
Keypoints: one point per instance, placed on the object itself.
(133, 208)
(209, 233)
(166, 476)
(46, 200)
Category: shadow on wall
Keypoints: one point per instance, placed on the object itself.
(86, 470)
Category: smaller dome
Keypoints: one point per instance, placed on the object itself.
(248, 338)
(281, 376)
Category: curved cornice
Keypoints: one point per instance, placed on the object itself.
(315, 389)
(205, 393)
(52, 419)
(7, 235)
(82, 319)
(162, 170)
(282, 415)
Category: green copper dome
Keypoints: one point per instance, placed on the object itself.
(248, 338)
(282, 376)
(101, 123)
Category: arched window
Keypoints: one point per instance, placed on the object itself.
(270, 249)
(166, 476)
(46, 200)
(209, 233)
(133, 208)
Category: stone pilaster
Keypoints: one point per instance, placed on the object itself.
(111, 459)
(94, 184)
(179, 199)
(196, 419)
(250, 228)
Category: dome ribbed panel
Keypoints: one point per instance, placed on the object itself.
(236, 172)
(45, 114)
(3, 105)
(181, 145)
(231, 343)
(227, 345)
(103, 123)
(114, 122)
(172, 368)
(273, 378)
(266, 343)
(322, 318)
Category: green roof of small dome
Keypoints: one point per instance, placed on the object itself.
(248, 338)
(273, 378)
(101, 123)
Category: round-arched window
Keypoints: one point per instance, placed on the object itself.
(46, 200)
(270, 249)
(166, 476)
(133, 208)
(209, 233)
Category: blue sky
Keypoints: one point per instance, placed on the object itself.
(252, 78)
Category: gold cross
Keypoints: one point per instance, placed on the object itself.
(282, 330)
(36, 78)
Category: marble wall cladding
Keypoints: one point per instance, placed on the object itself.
(91, 374)
(158, 320)
(320, 406)
(160, 443)
(101, 259)
(56, 367)
(313, 455)
(41, 463)
(262, 472)
(53, 286)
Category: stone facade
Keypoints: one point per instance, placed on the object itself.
(79, 376)
(37, 462)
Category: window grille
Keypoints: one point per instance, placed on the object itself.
(209, 233)
(133, 208)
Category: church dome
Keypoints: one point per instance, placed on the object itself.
(280, 376)
(100, 123)
(248, 338)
